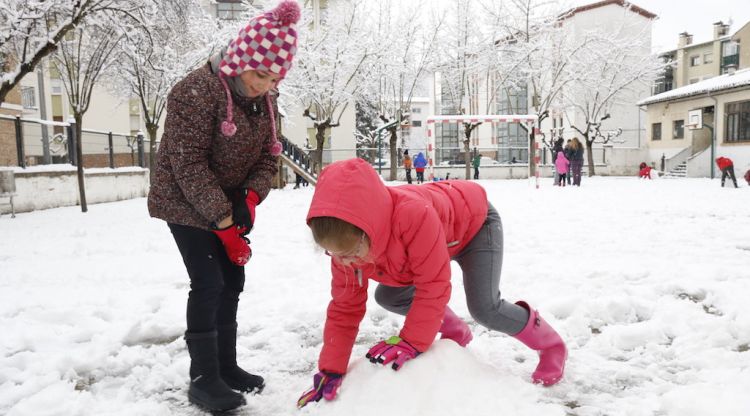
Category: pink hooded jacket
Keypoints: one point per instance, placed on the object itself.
(561, 163)
(414, 231)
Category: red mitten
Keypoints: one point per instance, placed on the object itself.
(237, 248)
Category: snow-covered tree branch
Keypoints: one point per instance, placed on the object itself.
(614, 67)
(330, 65)
(31, 30)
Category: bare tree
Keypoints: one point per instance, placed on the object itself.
(330, 66)
(31, 30)
(179, 36)
(402, 65)
(544, 55)
(616, 67)
(80, 59)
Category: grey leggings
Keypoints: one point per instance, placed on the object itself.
(480, 262)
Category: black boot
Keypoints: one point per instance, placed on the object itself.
(233, 375)
(207, 389)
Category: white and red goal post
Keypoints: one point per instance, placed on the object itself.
(529, 119)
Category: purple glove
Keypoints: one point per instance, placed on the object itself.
(325, 385)
(394, 348)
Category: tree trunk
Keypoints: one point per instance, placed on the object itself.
(532, 155)
(320, 138)
(79, 155)
(151, 128)
(589, 150)
(393, 148)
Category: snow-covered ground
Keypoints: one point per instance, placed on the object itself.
(648, 282)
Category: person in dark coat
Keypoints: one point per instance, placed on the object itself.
(727, 170)
(576, 160)
(218, 156)
(568, 155)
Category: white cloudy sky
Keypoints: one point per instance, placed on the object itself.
(693, 16)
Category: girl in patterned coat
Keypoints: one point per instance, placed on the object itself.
(216, 162)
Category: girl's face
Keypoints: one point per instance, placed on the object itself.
(258, 83)
(354, 253)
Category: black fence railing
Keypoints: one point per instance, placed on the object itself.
(42, 142)
(301, 157)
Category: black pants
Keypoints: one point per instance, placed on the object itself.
(476, 173)
(420, 176)
(215, 282)
(728, 172)
(408, 176)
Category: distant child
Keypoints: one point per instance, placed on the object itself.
(727, 170)
(747, 176)
(475, 162)
(561, 166)
(407, 166)
(404, 238)
(419, 164)
(645, 171)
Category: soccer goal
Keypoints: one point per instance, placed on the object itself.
(529, 120)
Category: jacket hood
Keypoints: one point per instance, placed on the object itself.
(352, 191)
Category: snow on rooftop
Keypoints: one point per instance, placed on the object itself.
(722, 82)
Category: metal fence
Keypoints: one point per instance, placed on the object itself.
(42, 142)
(452, 156)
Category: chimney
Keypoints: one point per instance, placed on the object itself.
(685, 40)
(720, 29)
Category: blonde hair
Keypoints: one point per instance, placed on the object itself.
(575, 143)
(334, 231)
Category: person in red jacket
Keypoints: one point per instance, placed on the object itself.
(404, 238)
(645, 171)
(727, 170)
(747, 176)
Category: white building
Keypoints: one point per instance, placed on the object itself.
(631, 21)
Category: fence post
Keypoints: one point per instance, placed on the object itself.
(141, 155)
(71, 131)
(111, 151)
(21, 152)
(663, 161)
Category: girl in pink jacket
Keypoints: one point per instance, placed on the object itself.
(561, 166)
(403, 238)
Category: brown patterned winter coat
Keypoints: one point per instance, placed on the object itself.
(197, 166)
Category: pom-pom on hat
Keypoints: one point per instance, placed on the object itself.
(267, 43)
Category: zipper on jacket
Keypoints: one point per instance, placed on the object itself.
(359, 276)
(454, 243)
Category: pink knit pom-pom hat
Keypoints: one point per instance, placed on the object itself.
(267, 43)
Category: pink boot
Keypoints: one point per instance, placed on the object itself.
(454, 328)
(539, 336)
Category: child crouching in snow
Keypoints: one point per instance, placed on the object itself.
(645, 171)
(404, 237)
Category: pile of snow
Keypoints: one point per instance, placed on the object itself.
(646, 280)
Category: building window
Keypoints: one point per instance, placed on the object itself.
(708, 57)
(678, 129)
(695, 60)
(28, 98)
(416, 123)
(694, 80)
(416, 110)
(229, 9)
(656, 131)
(738, 122)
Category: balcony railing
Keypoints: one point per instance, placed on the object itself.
(730, 60)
